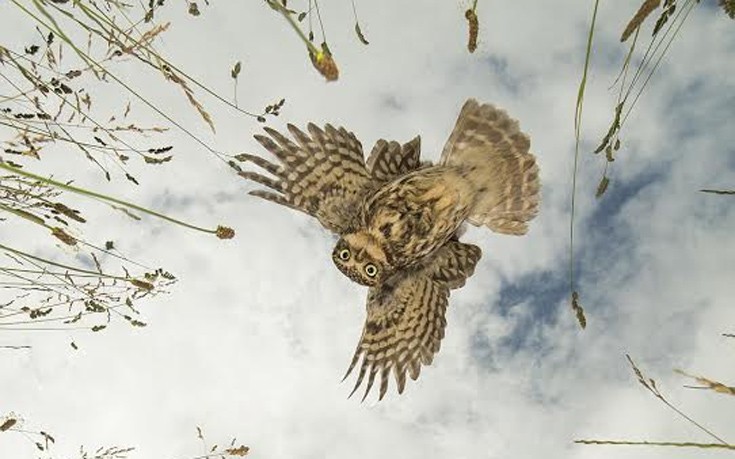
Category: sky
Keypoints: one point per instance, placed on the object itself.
(254, 338)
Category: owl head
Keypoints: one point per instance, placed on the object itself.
(360, 258)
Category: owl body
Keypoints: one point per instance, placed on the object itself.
(397, 220)
(412, 216)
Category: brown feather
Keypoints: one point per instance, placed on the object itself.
(405, 322)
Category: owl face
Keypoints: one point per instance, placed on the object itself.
(360, 258)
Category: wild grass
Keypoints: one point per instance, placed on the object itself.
(48, 102)
(576, 306)
(708, 384)
(321, 57)
(651, 386)
(320, 53)
(630, 85)
(473, 27)
(48, 108)
(722, 192)
(44, 443)
(630, 88)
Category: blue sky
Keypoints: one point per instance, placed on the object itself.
(253, 340)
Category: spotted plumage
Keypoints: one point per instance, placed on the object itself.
(398, 220)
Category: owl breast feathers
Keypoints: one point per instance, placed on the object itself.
(398, 220)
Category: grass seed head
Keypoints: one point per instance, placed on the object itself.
(646, 9)
(325, 64)
(63, 236)
(225, 232)
(474, 27)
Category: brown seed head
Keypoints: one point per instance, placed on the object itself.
(8, 424)
(63, 236)
(325, 64)
(225, 232)
(474, 26)
(646, 8)
(143, 285)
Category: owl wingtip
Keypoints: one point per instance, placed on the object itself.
(354, 389)
(260, 138)
(270, 130)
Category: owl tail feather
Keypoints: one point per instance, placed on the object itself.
(492, 153)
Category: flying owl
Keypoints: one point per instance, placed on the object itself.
(398, 218)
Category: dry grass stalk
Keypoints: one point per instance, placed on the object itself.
(52, 107)
(473, 25)
(40, 294)
(13, 423)
(685, 444)
(232, 450)
(643, 12)
(725, 192)
(650, 385)
(632, 88)
(112, 452)
(577, 133)
(43, 442)
(170, 75)
(321, 59)
(578, 310)
(710, 384)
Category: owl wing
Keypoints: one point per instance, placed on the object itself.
(389, 160)
(405, 317)
(489, 132)
(322, 173)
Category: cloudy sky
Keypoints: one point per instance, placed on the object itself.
(254, 338)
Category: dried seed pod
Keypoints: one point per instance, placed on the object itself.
(8, 424)
(143, 285)
(224, 232)
(324, 63)
(602, 187)
(646, 8)
(474, 27)
(578, 310)
(63, 236)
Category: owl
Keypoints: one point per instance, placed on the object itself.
(398, 221)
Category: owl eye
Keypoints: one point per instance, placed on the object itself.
(344, 254)
(371, 270)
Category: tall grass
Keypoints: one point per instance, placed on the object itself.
(47, 100)
(666, 28)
